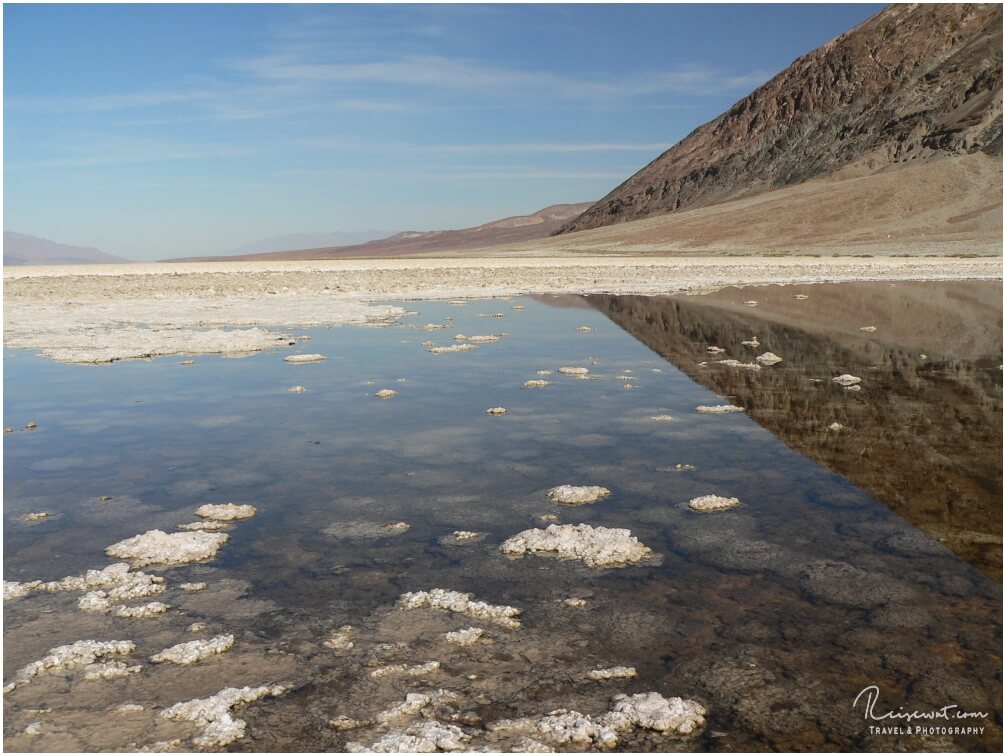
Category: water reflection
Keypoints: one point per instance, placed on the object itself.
(924, 434)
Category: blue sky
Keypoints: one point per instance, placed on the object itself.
(153, 131)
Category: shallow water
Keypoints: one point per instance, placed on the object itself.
(774, 615)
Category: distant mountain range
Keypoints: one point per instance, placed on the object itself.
(22, 249)
(512, 230)
(309, 241)
(914, 83)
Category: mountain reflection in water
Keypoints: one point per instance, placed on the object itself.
(924, 433)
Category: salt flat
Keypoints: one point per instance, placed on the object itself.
(103, 313)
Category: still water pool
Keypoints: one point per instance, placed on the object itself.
(773, 615)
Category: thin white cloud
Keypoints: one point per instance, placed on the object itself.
(485, 148)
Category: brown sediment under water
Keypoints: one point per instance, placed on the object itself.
(866, 555)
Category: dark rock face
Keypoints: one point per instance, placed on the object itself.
(911, 83)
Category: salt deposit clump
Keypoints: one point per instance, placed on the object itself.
(415, 704)
(575, 603)
(296, 389)
(143, 611)
(712, 503)
(111, 670)
(576, 495)
(583, 329)
(799, 296)
(573, 370)
(595, 547)
(715, 350)
(194, 651)
(836, 426)
(213, 714)
(534, 384)
(662, 418)
(677, 716)
(719, 409)
(340, 641)
(226, 511)
(847, 380)
(465, 637)
(460, 603)
(300, 359)
(869, 329)
(158, 547)
(488, 339)
(752, 342)
(768, 359)
(35, 516)
(72, 656)
(451, 349)
(421, 737)
(205, 525)
(404, 669)
(496, 411)
(386, 393)
(123, 584)
(612, 673)
(738, 364)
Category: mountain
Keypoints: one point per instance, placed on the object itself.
(22, 249)
(515, 229)
(913, 83)
(309, 241)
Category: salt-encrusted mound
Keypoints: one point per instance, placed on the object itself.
(213, 714)
(123, 585)
(712, 503)
(226, 511)
(496, 411)
(719, 409)
(110, 670)
(595, 547)
(451, 349)
(385, 393)
(299, 359)
(846, 380)
(461, 603)
(158, 547)
(416, 704)
(421, 737)
(738, 364)
(612, 673)
(465, 637)
(416, 670)
(768, 359)
(677, 716)
(193, 651)
(573, 370)
(669, 716)
(535, 384)
(72, 656)
(341, 640)
(575, 495)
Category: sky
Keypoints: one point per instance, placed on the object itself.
(154, 131)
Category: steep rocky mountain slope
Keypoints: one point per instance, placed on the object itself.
(22, 249)
(512, 230)
(913, 83)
